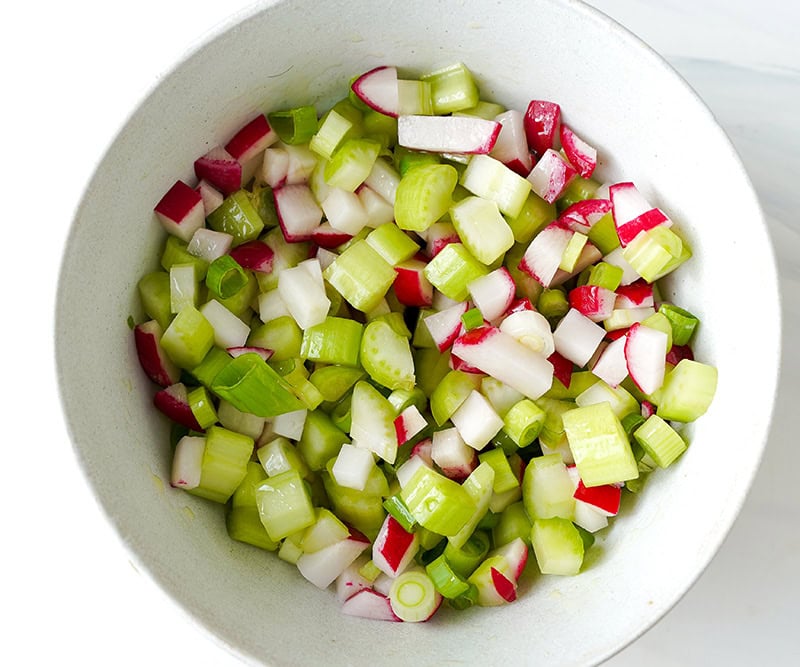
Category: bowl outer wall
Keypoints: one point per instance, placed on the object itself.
(648, 127)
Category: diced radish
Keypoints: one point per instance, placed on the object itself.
(344, 211)
(454, 457)
(298, 212)
(582, 215)
(551, 175)
(352, 467)
(679, 352)
(494, 582)
(512, 146)
(238, 351)
(597, 303)
(411, 287)
(303, 291)
(638, 294)
(541, 122)
(581, 155)
(424, 449)
(443, 134)
(384, 179)
(505, 588)
(325, 236)
(394, 548)
(174, 403)
(370, 604)
(229, 330)
(633, 213)
(187, 462)
(155, 362)
(275, 167)
(577, 337)
(209, 245)
(181, 211)
(409, 423)
(290, 424)
(476, 420)
(212, 198)
(379, 211)
(645, 353)
(325, 257)
(351, 581)
(648, 409)
(383, 584)
(252, 139)
(504, 358)
(562, 368)
(445, 325)
(220, 169)
(322, 567)
(516, 554)
(606, 497)
(406, 471)
(612, 366)
(589, 517)
(254, 255)
(544, 253)
(616, 258)
(517, 305)
(439, 235)
(271, 306)
(493, 293)
(458, 364)
(532, 329)
(378, 89)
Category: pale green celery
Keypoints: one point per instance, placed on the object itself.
(281, 335)
(369, 571)
(557, 546)
(431, 367)
(502, 396)
(154, 293)
(605, 275)
(321, 440)
(660, 322)
(553, 303)
(500, 501)
(490, 179)
(182, 287)
(682, 323)
(380, 128)
(452, 89)
(523, 422)
(504, 477)
(351, 163)
(326, 530)
(482, 109)
(224, 464)
(333, 382)
(603, 234)
(424, 195)
(449, 584)
(284, 504)
(251, 385)
(577, 190)
(202, 407)
(482, 229)
(451, 392)
(386, 356)
(391, 243)
(453, 269)
(188, 338)
(630, 423)
(622, 318)
(660, 441)
(352, 113)
(480, 487)
(361, 276)
(547, 488)
(280, 455)
(243, 521)
(361, 509)
(336, 340)
(687, 391)
(238, 217)
(438, 503)
(599, 445)
(175, 252)
(239, 304)
(655, 252)
(527, 286)
(552, 433)
(415, 97)
(619, 399)
(472, 319)
(295, 374)
(290, 550)
(396, 321)
(332, 131)
(465, 558)
(225, 277)
(341, 413)
(533, 216)
(572, 252)
(413, 596)
(395, 506)
(404, 398)
(264, 203)
(408, 159)
(514, 523)
(294, 126)
(215, 360)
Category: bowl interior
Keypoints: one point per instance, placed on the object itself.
(648, 127)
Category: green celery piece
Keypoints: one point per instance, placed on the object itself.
(290, 550)
(281, 335)
(175, 252)
(352, 163)
(386, 356)
(361, 276)
(373, 422)
(404, 398)
(351, 112)
(154, 293)
(483, 109)
(333, 382)
(326, 530)
(361, 509)
(215, 360)
(451, 392)
(188, 338)
(341, 413)
(603, 234)
(415, 97)
(284, 505)
(424, 195)
(280, 455)
(202, 407)
(547, 488)
(465, 558)
(687, 392)
(535, 214)
(239, 303)
(504, 477)
(660, 441)
(245, 494)
(238, 217)
(264, 203)
(422, 336)
(557, 546)
(653, 251)
(321, 440)
(431, 367)
(599, 445)
(438, 503)
(605, 275)
(490, 179)
(395, 320)
(251, 385)
(336, 340)
(452, 89)
(514, 523)
(333, 129)
(407, 159)
(660, 322)
(618, 398)
(391, 243)
(243, 521)
(224, 464)
(380, 127)
(480, 487)
(294, 126)
(573, 252)
(482, 229)
(682, 322)
(523, 422)
(453, 269)
(578, 189)
(445, 581)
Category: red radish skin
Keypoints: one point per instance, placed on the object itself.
(633, 214)
(212, 198)
(438, 236)
(181, 211)
(543, 255)
(370, 604)
(516, 554)
(493, 293)
(616, 333)
(519, 304)
(409, 423)
(394, 547)
(581, 216)
(645, 354)
(581, 155)
(505, 588)
(262, 352)
(423, 450)
(155, 362)
(446, 325)
(648, 409)
(447, 134)
(512, 145)
(541, 123)
(221, 169)
(298, 212)
(325, 236)
(562, 368)
(679, 352)
(605, 498)
(596, 303)
(174, 403)
(638, 294)
(253, 138)
(458, 364)
(551, 175)
(254, 255)
(411, 287)
(378, 89)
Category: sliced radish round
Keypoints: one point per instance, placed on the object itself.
(378, 89)
(581, 155)
(370, 604)
(645, 354)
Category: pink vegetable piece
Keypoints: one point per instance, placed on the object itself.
(181, 211)
(155, 362)
(254, 255)
(220, 169)
(394, 547)
(541, 122)
(581, 155)
(447, 134)
(298, 212)
(562, 368)
(174, 403)
(582, 215)
(638, 294)
(409, 423)
(505, 588)
(551, 175)
(445, 325)
(325, 236)
(252, 139)
(512, 145)
(633, 214)
(370, 604)
(544, 253)
(411, 287)
(605, 498)
(378, 89)
(645, 354)
(597, 303)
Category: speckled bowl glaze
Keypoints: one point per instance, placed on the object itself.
(648, 126)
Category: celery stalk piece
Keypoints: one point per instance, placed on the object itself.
(391, 243)
(453, 269)
(279, 455)
(284, 505)
(490, 179)
(238, 217)
(451, 392)
(327, 529)
(687, 391)
(444, 579)
(414, 97)
(373, 422)
(573, 252)
(242, 520)
(335, 341)
(465, 558)
(188, 338)
(547, 488)
(683, 323)
(424, 195)
(413, 596)
(599, 445)
(290, 550)
(577, 190)
(386, 356)
(483, 109)
(182, 287)
(480, 487)
(176, 252)
(155, 295)
(361, 276)
(438, 503)
(251, 385)
(202, 407)
(452, 89)
(514, 523)
(361, 509)
(660, 441)
(215, 360)
(224, 464)
(504, 478)
(282, 335)
(242, 422)
(294, 126)
(352, 163)
(333, 382)
(557, 545)
(534, 214)
(321, 440)
(603, 234)
(618, 398)
(332, 131)
(523, 422)
(482, 229)
(660, 322)
(605, 275)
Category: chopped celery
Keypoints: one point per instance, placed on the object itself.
(284, 504)
(361, 276)
(438, 503)
(424, 195)
(334, 341)
(238, 217)
(453, 269)
(294, 126)
(661, 442)
(386, 356)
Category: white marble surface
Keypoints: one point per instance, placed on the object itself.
(72, 71)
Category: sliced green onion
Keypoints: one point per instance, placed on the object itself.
(682, 321)
(472, 319)
(447, 582)
(466, 600)
(603, 234)
(202, 407)
(336, 340)
(552, 303)
(523, 422)
(397, 508)
(225, 277)
(413, 596)
(332, 131)
(294, 126)
(463, 560)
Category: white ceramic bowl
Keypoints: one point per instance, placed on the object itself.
(648, 126)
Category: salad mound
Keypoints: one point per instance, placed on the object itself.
(408, 342)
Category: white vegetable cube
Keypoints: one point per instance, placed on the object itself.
(303, 292)
(182, 287)
(378, 210)
(271, 306)
(290, 424)
(275, 166)
(588, 518)
(229, 330)
(242, 422)
(209, 245)
(352, 467)
(476, 421)
(576, 337)
(345, 211)
(187, 462)
(406, 471)
(493, 293)
(450, 451)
